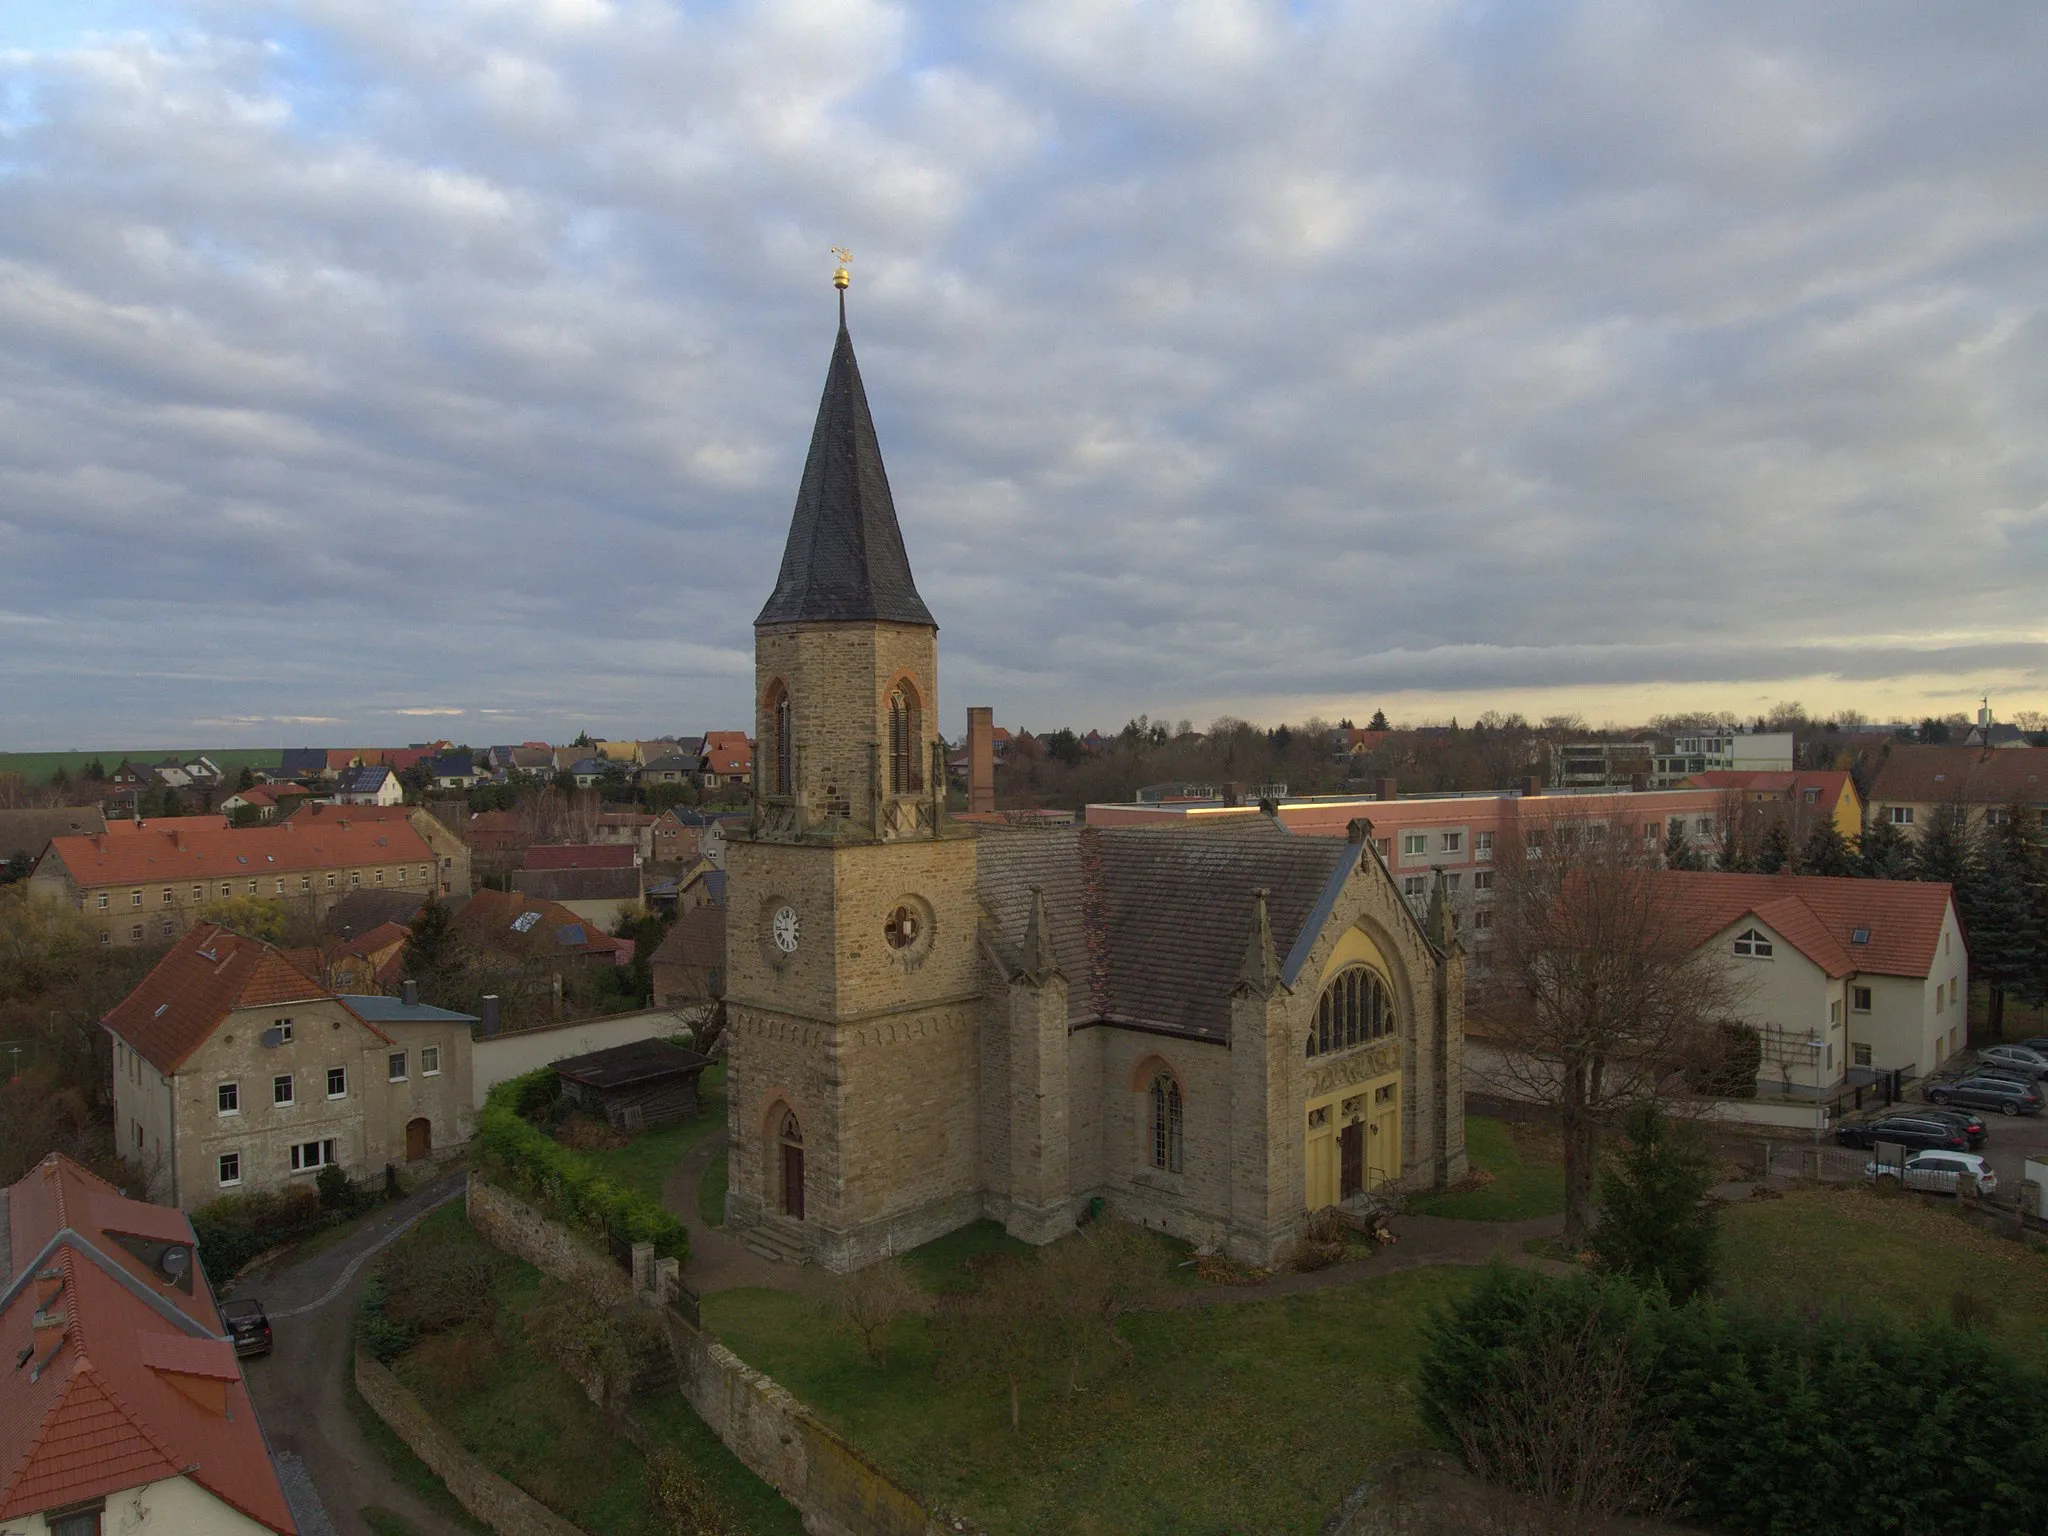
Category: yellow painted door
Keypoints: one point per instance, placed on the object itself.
(1319, 1160)
(1383, 1136)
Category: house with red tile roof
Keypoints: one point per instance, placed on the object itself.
(126, 1409)
(1982, 782)
(1802, 798)
(1844, 979)
(234, 1069)
(148, 884)
(529, 927)
(728, 759)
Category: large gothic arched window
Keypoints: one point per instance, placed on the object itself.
(781, 751)
(906, 738)
(1166, 1118)
(1355, 1008)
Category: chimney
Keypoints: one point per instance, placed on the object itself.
(1233, 794)
(1532, 785)
(981, 758)
(490, 1014)
(410, 994)
(1386, 790)
(1638, 782)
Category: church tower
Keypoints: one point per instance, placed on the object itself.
(851, 953)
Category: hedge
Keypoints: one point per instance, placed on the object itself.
(509, 1147)
(1786, 1426)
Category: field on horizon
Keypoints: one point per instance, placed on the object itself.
(36, 767)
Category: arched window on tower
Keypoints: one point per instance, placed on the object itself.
(906, 740)
(781, 749)
(1166, 1118)
(1355, 1009)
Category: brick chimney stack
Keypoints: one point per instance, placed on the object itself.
(981, 758)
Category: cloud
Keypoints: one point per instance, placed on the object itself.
(1225, 355)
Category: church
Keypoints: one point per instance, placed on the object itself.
(1214, 1033)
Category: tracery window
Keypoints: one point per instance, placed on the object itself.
(1166, 1123)
(781, 720)
(1355, 1008)
(906, 735)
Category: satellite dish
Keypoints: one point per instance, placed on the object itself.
(175, 1262)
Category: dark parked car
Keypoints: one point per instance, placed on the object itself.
(2038, 1043)
(1917, 1131)
(247, 1326)
(1968, 1121)
(2007, 1095)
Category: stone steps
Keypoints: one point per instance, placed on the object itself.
(777, 1246)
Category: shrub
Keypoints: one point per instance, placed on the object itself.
(509, 1148)
(610, 1351)
(1656, 1223)
(436, 1279)
(1782, 1426)
(232, 1231)
(682, 1498)
(333, 1187)
(385, 1339)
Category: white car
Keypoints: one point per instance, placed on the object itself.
(1938, 1172)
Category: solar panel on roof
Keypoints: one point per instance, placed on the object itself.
(570, 933)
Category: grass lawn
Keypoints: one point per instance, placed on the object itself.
(942, 1263)
(410, 1472)
(1905, 1256)
(530, 1423)
(711, 1189)
(644, 1163)
(1243, 1417)
(1527, 1169)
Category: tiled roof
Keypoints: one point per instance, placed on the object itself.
(606, 884)
(1967, 775)
(728, 752)
(1827, 784)
(360, 911)
(695, 938)
(1149, 926)
(489, 916)
(580, 856)
(208, 974)
(167, 851)
(139, 1383)
(29, 832)
(845, 558)
(366, 780)
(1819, 916)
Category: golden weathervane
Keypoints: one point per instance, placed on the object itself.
(840, 276)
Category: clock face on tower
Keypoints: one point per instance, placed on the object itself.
(783, 929)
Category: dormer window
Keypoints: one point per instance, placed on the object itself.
(1753, 943)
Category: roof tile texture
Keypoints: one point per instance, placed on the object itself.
(159, 854)
(1819, 916)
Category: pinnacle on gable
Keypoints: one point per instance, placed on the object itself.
(845, 558)
(1038, 964)
(1260, 972)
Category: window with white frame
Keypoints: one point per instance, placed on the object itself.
(1452, 842)
(430, 1061)
(226, 890)
(1482, 879)
(1482, 845)
(168, 929)
(337, 1082)
(229, 1169)
(227, 1099)
(103, 901)
(135, 933)
(305, 883)
(198, 893)
(1859, 999)
(282, 1091)
(1834, 1010)
(1451, 882)
(1413, 843)
(330, 879)
(1754, 943)
(168, 898)
(307, 1155)
(1902, 815)
(135, 898)
(1860, 1054)
(1653, 831)
(1704, 826)
(280, 885)
(396, 1063)
(1411, 885)
(1482, 917)
(284, 1030)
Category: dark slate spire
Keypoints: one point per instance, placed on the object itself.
(845, 558)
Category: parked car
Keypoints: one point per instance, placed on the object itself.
(2037, 1043)
(1939, 1173)
(1969, 1122)
(2007, 1095)
(247, 1326)
(2018, 1056)
(1920, 1131)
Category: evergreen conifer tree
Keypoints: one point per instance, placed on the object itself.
(1947, 850)
(1827, 852)
(1885, 853)
(2005, 930)
(1378, 721)
(1655, 1222)
(1678, 853)
(1775, 851)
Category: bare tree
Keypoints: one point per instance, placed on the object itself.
(1602, 994)
(868, 1302)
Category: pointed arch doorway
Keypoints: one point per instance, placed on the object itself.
(789, 1141)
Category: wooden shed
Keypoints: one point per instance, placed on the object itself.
(637, 1086)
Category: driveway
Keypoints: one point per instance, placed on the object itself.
(300, 1387)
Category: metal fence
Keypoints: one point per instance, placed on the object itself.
(1807, 1160)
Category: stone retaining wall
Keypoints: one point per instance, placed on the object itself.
(504, 1508)
(836, 1489)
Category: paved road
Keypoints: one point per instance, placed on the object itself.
(300, 1388)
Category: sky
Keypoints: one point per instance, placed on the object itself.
(387, 370)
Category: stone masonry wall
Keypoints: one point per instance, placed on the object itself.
(501, 1506)
(836, 1489)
